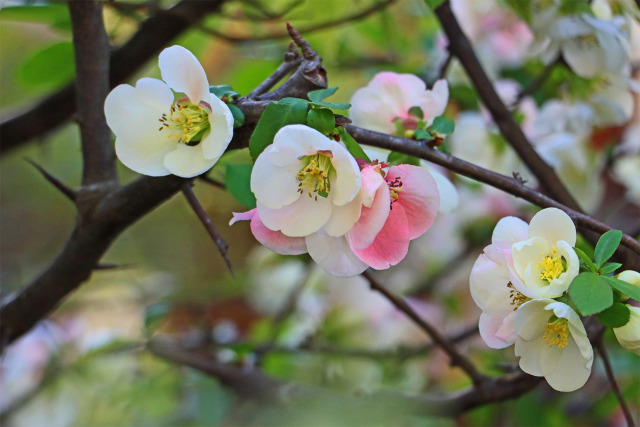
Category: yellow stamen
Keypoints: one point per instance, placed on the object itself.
(187, 121)
(551, 266)
(314, 177)
(556, 333)
(516, 297)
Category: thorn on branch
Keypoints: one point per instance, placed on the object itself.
(212, 181)
(519, 178)
(342, 120)
(208, 225)
(113, 266)
(307, 52)
(64, 189)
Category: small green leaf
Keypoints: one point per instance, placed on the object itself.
(238, 182)
(351, 144)
(36, 72)
(322, 120)
(584, 257)
(523, 9)
(222, 91)
(417, 112)
(238, 115)
(55, 15)
(286, 112)
(609, 268)
(319, 95)
(332, 105)
(423, 135)
(443, 126)
(591, 293)
(607, 245)
(615, 316)
(624, 287)
(396, 158)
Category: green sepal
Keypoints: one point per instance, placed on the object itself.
(238, 115)
(223, 90)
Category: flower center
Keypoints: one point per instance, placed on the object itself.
(516, 297)
(314, 176)
(188, 122)
(556, 332)
(395, 187)
(552, 265)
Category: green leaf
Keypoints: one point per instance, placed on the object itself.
(615, 316)
(590, 293)
(319, 95)
(443, 126)
(433, 4)
(423, 135)
(417, 112)
(607, 245)
(55, 15)
(222, 91)
(353, 147)
(397, 158)
(276, 116)
(238, 182)
(49, 68)
(238, 115)
(332, 105)
(156, 313)
(523, 9)
(322, 120)
(609, 268)
(624, 287)
(587, 260)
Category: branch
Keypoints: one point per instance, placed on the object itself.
(91, 47)
(460, 47)
(206, 221)
(537, 82)
(614, 384)
(153, 35)
(376, 7)
(291, 62)
(68, 192)
(507, 184)
(457, 359)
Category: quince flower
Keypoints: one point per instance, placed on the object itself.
(553, 343)
(157, 134)
(304, 181)
(629, 335)
(390, 96)
(523, 262)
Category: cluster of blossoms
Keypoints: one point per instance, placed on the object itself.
(520, 283)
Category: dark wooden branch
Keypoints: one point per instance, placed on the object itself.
(291, 62)
(91, 46)
(507, 184)
(153, 35)
(206, 221)
(614, 384)
(457, 359)
(460, 46)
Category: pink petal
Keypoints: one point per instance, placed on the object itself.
(419, 198)
(390, 245)
(274, 240)
(372, 219)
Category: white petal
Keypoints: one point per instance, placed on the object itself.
(183, 72)
(553, 225)
(528, 253)
(490, 324)
(275, 186)
(511, 230)
(587, 59)
(295, 141)
(528, 353)
(531, 318)
(343, 218)
(334, 255)
(435, 101)
(347, 182)
(221, 121)
(187, 161)
(488, 284)
(570, 371)
(449, 197)
(300, 218)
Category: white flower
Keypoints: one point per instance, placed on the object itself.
(157, 134)
(553, 343)
(626, 168)
(546, 262)
(629, 335)
(304, 181)
(389, 96)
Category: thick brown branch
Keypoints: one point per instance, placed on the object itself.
(153, 34)
(457, 359)
(91, 46)
(460, 47)
(507, 184)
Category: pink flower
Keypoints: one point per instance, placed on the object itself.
(395, 209)
(389, 96)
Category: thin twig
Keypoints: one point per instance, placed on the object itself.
(68, 192)
(536, 83)
(291, 61)
(211, 181)
(614, 384)
(305, 30)
(445, 66)
(208, 225)
(457, 359)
